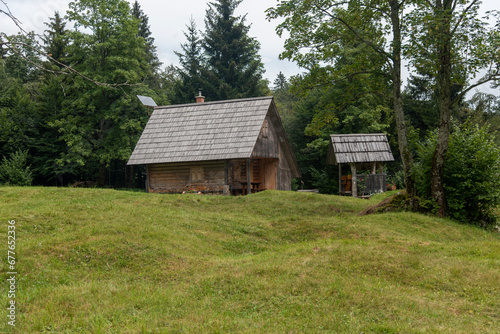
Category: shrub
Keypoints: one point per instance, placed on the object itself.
(14, 171)
(322, 181)
(471, 174)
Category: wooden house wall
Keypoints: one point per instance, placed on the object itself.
(269, 166)
(176, 177)
(284, 175)
(263, 171)
(267, 145)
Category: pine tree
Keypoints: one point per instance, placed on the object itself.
(190, 71)
(280, 82)
(234, 67)
(145, 32)
(55, 38)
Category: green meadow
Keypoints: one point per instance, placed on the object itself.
(109, 261)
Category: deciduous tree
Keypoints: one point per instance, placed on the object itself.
(318, 31)
(448, 37)
(100, 123)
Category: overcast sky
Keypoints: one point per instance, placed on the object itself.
(168, 20)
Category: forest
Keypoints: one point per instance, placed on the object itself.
(69, 115)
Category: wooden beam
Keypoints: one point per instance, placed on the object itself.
(249, 177)
(226, 190)
(340, 178)
(226, 173)
(354, 180)
(147, 178)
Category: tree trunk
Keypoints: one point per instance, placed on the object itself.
(443, 42)
(404, 148)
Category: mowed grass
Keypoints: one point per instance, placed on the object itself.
(107, 261)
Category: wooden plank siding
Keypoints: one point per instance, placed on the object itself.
(284, 174)
(267, 145)
(263, 171)
(176, 177)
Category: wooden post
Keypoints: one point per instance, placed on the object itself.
(147, 178)
(374, 167)
(380, 168)
(226, 175)
(354, 180)
(249, 177)
(340, 178)
(225, 189)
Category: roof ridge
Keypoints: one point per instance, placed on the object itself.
(214, 102)
(357, 134)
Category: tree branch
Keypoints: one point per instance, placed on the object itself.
(489, 77)
(11, 16)
(462, 16)
(70, 70)
(355, 32)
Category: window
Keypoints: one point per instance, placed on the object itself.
(197, 174)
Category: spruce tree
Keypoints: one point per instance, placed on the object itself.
(190, 70)
(55, 38)
(234, 67)
(145, 32)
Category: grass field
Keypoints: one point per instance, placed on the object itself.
(107, 261)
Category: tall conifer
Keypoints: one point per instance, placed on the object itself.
(234, 67)
(55, 38)
(191, 60)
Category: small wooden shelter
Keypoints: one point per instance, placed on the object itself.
(234, 146)
(360, 151)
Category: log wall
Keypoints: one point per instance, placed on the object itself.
(185, 177)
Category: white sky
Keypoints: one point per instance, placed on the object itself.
(168, 20)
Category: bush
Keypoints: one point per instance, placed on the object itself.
(471, 174)
(14, 171)
(322, 181)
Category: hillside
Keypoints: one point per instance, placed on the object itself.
(107, 261)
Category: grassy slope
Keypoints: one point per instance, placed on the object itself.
(106, 261)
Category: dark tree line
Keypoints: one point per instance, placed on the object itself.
(68, 100)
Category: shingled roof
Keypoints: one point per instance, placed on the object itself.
(354, 148)
(204, 131)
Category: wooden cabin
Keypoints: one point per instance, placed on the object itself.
(360, 152)
(224, 147)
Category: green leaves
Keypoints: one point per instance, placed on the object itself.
(471, 174)
(14, 171)
(100, 123)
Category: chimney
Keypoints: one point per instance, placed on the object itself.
(200, 98)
